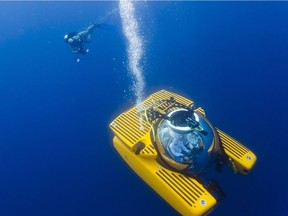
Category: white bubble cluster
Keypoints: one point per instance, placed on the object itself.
(134, 50)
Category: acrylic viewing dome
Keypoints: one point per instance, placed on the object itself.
(185, 144)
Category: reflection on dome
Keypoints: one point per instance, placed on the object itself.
(184, 144)
(181, 147)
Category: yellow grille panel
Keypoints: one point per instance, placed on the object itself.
(232, 146)
(149, 152)
(201, 110)
(242, 157)
(127, 127)
(190, 191)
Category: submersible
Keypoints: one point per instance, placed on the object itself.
(174, 146)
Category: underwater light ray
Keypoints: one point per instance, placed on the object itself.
(130, 29)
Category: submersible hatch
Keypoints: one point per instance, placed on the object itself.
(175, 145)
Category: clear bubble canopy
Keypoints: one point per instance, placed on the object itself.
(186, 139)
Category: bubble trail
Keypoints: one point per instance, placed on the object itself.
(130, 29)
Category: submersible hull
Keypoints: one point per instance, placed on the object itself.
(174, 179)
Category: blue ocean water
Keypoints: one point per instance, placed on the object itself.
(56, 152)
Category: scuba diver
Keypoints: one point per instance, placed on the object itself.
(77, 40)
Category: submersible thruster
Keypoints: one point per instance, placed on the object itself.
(174, 146)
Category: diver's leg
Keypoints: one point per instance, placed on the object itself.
(88, 38)
(92, 27)
(87, 34)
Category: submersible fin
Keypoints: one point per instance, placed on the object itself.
(167, 156)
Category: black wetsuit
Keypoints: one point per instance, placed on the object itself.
(80, 38)
(77, 45)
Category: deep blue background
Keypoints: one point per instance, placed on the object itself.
(56, 152)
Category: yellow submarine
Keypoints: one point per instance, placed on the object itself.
(174, 145)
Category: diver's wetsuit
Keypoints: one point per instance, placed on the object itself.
(77, 44)
(77, 40)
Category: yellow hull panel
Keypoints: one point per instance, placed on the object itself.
(243, 158)
(183, 193)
